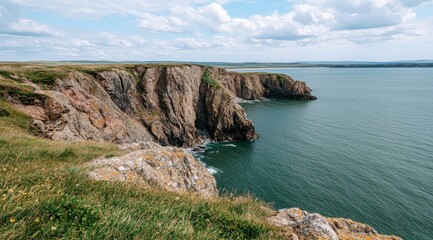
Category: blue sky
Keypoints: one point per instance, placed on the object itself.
(224, 30)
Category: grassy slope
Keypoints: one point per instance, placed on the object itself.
(43, 194)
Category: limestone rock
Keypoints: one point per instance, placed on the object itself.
(168, 168)
(311, 226)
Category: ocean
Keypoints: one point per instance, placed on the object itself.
(363, 150)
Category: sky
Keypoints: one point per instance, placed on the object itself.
(216, 31)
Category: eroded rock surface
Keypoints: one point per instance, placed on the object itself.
(312, 226)
(169, 168)
(171, 105)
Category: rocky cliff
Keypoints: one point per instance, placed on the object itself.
(302, 225)
(173, 105)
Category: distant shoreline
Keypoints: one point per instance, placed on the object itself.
(256, 65)
(386, 65)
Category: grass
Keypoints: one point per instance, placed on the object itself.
(6, 74)
(44, 195)
(37, 73)
(209, 80)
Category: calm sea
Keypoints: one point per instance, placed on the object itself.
(363, 150)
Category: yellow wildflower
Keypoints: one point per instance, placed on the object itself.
(12, 220)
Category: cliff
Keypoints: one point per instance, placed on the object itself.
(46, 196)
(174, 105)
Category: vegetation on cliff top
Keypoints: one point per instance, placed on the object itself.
(209, 80)
(44, 195)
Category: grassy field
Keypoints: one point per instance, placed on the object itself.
(44, 195)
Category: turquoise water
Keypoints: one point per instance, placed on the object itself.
(363, 150)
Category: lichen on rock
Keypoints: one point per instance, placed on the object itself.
(312, 226)
(168, 168)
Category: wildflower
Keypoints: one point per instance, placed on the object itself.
(53, 228)
(36, 220)
(12, 220)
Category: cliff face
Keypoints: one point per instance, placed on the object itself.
(173, 105)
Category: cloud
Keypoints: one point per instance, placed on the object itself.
(201, 29)
(366, 13)
(99, 8)
(307, 19)
(199, 42)
(162, 24)
(212, 16)
(27, 27)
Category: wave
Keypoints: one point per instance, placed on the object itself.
(229, 145)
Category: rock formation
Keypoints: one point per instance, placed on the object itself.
(143, 105)
(173, 105)
(169, 168)
(312, 226)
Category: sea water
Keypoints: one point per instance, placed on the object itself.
(363, 150)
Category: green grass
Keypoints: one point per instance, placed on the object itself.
(45, 195)
(37, 73)
(209, 80)
(6, 74)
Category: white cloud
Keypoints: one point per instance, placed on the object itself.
(162, 24)
(205, 29)
(307, 19)
(199, 42)
(98, 8)
(212, 16)
(27, 27)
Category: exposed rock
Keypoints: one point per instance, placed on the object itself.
(257, 86)
(312, 226)
(168, 168)
(171, 105)
(79, 108)
(139, 146)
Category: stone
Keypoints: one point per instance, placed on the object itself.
(303, 225)
(168, 168)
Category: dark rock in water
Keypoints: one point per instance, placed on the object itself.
(4, 113)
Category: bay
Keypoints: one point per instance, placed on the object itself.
(363, 150)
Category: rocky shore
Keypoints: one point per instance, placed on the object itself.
(152, 111)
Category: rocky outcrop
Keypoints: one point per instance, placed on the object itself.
(253, 86)
(167, 168)
(173, 105)
(79, 108)
(312, 226)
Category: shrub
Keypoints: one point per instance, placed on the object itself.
(207, 78)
